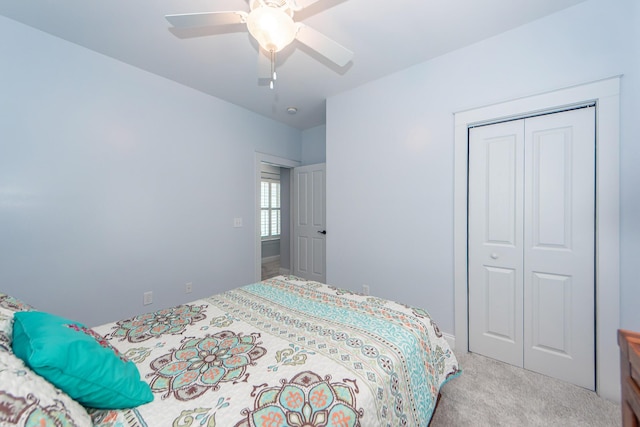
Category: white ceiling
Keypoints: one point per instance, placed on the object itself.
(386, 36)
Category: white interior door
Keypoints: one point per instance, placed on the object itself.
(532, 244)
(309, 232)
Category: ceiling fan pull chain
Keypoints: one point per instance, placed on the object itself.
(273, 68)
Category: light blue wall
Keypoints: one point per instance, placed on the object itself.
(114, 181)
(314, 145)
(630, 179)
(390, 150)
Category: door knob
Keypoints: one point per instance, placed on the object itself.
(494, 256)
(322, 231)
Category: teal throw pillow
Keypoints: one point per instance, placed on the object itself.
(78, 361)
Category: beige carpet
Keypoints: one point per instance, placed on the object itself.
(491, 393)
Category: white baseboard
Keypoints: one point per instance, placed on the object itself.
(451, 340)
(285, 271)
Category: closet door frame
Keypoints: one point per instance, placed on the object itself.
(606, 96)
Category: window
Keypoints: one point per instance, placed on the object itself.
(269, 209)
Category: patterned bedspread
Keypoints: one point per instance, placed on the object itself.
(284, 352)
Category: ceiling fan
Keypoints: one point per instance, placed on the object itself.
(271, 23)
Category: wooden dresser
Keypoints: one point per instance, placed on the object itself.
(629, 343)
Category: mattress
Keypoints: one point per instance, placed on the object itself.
(284, 351)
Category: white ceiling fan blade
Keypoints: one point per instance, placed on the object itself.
(322, 44)
(207, 19)
(297, 5)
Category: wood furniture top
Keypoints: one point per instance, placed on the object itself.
(629, 343)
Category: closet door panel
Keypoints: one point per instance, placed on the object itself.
(559, 246)
(495, 241)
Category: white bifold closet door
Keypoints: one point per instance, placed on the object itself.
(532, 243)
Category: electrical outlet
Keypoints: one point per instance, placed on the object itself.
(365, 289)
(237, 222)
(148, 298)
(188, 288)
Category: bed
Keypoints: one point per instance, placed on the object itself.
(282, 352)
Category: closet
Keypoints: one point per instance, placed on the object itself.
(531, 243)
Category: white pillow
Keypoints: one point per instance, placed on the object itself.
(25, 397)
(8, 306)
(28, 399)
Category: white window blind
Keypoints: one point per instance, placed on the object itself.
(269, 209)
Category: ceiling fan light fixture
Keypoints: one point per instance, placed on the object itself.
(272, 27)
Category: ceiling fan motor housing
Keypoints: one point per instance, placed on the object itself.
(272, 26)
(280, 4)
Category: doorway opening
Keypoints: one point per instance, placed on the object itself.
(273, 255)
(274, 221)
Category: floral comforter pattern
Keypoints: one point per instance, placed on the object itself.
(284, 352)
